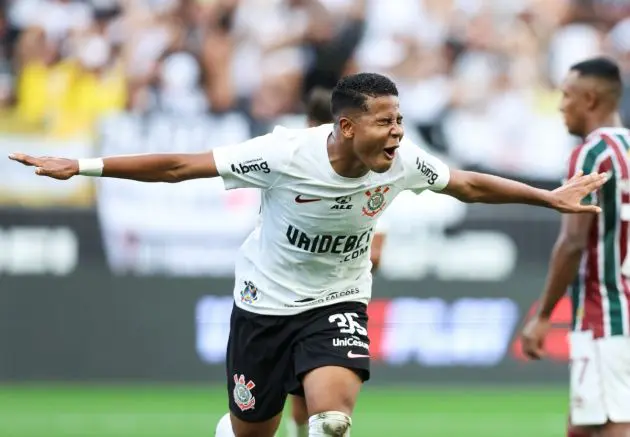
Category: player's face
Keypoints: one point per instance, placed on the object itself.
(377, 133)
(574, 104)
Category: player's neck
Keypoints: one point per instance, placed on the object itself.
(343, 160)
(608, 120)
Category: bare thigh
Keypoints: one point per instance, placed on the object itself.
(331, 388)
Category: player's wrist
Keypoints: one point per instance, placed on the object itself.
(544, 314)
(548, 198)
(90, 167)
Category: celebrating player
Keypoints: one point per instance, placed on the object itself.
(318, 113)
(590, 258)
(302, 277)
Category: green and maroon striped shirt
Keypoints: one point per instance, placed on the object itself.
(601, 292)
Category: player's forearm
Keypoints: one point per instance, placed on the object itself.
(472, 187)
(145, 168)
(563, 267)
(159, 167)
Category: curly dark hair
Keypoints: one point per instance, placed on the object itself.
(351, 92)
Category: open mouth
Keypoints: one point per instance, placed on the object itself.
(390, 152)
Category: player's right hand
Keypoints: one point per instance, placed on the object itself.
(533, 337)
(56, 168)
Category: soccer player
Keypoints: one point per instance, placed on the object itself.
(302, 278)
(590, 258)
(317, 113)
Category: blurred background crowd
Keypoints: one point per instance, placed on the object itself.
(478, 78)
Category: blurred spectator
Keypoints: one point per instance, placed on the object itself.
(179, 89)
(335, 31)
(269, 34)
(41, 80)
(68, 94)
(98, 84)
(57, 18)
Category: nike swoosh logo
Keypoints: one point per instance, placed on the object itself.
(299, 199)
(353, 355)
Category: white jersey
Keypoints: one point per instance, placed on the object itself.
(311, 247)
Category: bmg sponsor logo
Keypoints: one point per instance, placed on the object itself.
(251, 167)
(427, 170)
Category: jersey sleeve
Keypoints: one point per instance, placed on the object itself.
(587, 158)
(423, 171)
(256, 163)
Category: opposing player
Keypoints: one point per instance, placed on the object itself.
(302, 277)
(591, 259)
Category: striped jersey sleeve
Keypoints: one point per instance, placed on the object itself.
(588, 157)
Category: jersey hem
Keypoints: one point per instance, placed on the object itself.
(288, 312)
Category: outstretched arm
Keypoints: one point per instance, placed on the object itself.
(255, 163)
(426, 172)
(145, 168)
(474, 187)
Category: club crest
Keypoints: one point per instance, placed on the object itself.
(242, 393)
(249, 293)
(376, 201)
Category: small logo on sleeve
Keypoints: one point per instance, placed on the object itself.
(251, 166)
(427, 170)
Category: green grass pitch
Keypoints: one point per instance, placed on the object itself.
(184, 411)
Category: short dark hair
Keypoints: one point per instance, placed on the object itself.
(351, 92)
(601, 68)
(318, 106)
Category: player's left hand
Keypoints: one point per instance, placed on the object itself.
(533, 337)
(568, 197)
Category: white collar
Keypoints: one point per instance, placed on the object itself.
(606, 131)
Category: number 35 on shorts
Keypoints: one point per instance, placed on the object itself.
(353, 338)
(347, 324)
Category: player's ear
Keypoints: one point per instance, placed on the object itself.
(346, 126)
(591, 98)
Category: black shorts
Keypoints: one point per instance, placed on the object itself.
(267, 356)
